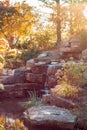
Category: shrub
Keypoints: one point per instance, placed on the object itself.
(28, 54)
(69, 79)
(12, 59)
(72, 73)
(66, 90)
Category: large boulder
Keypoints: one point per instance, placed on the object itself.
(49, 117)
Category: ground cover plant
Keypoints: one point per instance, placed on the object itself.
(69, 78)
(7, 123)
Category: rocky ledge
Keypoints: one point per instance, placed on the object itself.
(49, 117)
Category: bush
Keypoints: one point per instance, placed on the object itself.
(12, 59)
(28, 54)
(66, 90)
(72, 73)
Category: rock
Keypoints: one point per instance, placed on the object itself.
(51, 80)
(84, 54)
(57, 101)
(54, 63)
(40, 63)
(84, 85)
(45, 54)
(61, 102)
(9, 80)
(49, 55)
(36, 78)
(39, 69)
(44, 60)
(82, 124)
(49, 117)
(30, 63)
(18, 77)
(20, 90)
(71, 48)
(46, 99)
(52, 69)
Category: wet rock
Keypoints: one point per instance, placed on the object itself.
(49, 117)
(51, 80)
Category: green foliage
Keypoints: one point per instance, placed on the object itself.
(69, 78)
(2, 59)
(15, 58)
(16, 21)
(75, 72)
(28, 54)
(12, 59)
(45, 39)
(66, 90)
(12, 53)
(32, 99)
(72, 73)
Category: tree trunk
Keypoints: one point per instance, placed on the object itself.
(58, 28)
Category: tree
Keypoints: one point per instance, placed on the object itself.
(67, 14)
(77, 21)
(16, 22)
(58, 21)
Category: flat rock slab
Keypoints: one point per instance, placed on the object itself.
(50, 117)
